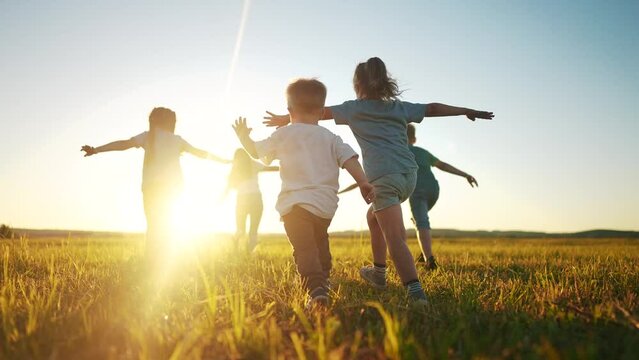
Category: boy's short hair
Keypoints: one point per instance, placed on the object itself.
(306, 94)
(410, 131)
(163, 118)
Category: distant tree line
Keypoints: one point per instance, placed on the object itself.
(6, 232)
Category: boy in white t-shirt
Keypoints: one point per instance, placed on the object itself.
(310, 158)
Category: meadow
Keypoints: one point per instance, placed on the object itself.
(491, 298)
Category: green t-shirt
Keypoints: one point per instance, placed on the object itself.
(380, 129)
(426, 182)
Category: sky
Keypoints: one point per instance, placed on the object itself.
(560, 76)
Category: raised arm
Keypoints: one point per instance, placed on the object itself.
(243, 134)
(355, 169)
(437, 109)
(327, 114)
(453, 170)
(204, 154)
(112, 146)
(283, 120)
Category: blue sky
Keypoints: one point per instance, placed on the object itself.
(561, 77)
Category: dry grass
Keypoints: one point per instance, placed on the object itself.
(499, 298)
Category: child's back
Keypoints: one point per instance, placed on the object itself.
(380, 129)
(162, 151)
(310, 158)
(426, 181)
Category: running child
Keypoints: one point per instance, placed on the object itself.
(244, 179)
(426, 194)
(161, 174)
(378, 121)
(310, 158)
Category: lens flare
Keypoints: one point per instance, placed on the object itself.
(236, 50)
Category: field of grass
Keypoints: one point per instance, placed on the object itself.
(498, 298)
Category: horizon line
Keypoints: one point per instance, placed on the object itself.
(122, 232)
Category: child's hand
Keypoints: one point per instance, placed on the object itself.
(88, 150)
(276, 120)
(474, 114)
(471, 180)
(240, 127)
(368, 192)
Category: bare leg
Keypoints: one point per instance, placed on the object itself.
(256, 216)
(425, 242)
(241, 214)
(392, 225)
(378, 244)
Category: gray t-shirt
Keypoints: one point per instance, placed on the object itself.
(380, 129)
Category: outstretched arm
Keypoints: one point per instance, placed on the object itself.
(112, 146)
(243, 134)
(283, 120)
(271, 168)
(204, 154)
(355, 169)
(453, 170)
(437, 109)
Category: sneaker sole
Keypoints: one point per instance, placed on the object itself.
(371, 282)
(318, 301)
(421, 304)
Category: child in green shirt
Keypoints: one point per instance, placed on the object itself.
(426, 194)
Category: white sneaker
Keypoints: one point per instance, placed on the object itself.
(374, 278)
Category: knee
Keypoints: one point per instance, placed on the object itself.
(395, 236)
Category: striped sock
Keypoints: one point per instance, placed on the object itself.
(415, 289)
(380, 269)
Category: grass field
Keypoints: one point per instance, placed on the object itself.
(498, 298)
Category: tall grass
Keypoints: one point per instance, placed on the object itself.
(497, 298)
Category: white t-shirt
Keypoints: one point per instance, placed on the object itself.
(162, 164)
(310, 158)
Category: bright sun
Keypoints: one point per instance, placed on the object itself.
(202, 208)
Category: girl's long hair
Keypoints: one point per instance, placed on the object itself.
(160, 119)
(372, 81)
(242, 169)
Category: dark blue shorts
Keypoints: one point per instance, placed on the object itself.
(420, 204)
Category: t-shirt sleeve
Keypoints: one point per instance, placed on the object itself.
(184, 145)
(340, 113)
(414, 112)
(343, 151)
(266, 149)
(140, 139)
(432, 159)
